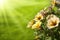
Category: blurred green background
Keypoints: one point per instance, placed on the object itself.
(15, 15)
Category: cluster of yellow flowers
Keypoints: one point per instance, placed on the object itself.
(46, 20)
(52, 21)
(36, 23)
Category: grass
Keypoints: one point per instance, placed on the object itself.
(15, 17)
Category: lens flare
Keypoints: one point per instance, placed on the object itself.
(2, 2)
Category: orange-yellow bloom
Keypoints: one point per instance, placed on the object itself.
(37, 25)
(53, 2)
(38, 17)
(36, 37)
(30, 23)
(53, 22)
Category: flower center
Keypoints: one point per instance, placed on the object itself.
(39, 18)
(53, 23)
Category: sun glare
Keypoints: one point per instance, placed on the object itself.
(2, 3)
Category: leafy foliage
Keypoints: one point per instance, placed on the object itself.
(46, 24)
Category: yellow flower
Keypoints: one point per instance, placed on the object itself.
(30, 23)
(53, 22)
(36, 37)
(38, 17)
(37, 25)
(53, 2)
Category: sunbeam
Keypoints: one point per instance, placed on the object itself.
(2, 3)
(14, 16)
